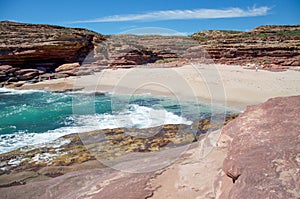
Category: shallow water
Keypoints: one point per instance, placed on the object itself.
(32, 117)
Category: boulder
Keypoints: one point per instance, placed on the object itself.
(3, 77)
(5, 67)
(5, 71)
(12, 79)
(67, 67)
(84, 72)
(47, 76)
(263, 157)
(60, 75)
(24, 71)
(26, 74)
(68, 72)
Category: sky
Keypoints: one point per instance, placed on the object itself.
(176, 16)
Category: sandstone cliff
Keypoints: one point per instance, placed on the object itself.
(31, 45)
(271, 47)
(32, 53)
(132, 50)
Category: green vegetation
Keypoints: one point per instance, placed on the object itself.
(263, 35)
(168, 60)
(263, 32)
(265, 61)
(230, 31)
(289, 33)
(211, 34)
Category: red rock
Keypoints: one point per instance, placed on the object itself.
(263, 156)
(138, 57)
(24, 71)
(27, 76)
(278, 45)
(296, 63)
(93, 183)
(5, 67)
(68, 72)
(66, 67)
(36, 44)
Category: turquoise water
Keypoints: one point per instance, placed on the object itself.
(33, 117)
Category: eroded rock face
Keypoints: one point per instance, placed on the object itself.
(264, 153)
(140, 57)
(270, 47)
(131, 50)
(46, 47)
(27, 51)
(28, 45)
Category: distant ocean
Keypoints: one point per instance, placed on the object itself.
(31, 117)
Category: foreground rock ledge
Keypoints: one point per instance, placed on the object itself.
(262, 161)
(263, 157)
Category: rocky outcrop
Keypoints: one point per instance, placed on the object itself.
(92, 183)
(94, 150)
(32, 45)
(262, 160)
(29, 50)
(270, 47)
(133, 50)
(140, 57)
(45, 48)
(263, 156)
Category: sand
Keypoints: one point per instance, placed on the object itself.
(232, 86)
(196, 176)
(199, 174)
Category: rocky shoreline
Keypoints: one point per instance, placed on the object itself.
(256, 155)
(31, 53)
(263, 154)
(75, 150)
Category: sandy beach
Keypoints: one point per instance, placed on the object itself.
(232, 86)
(150, 100)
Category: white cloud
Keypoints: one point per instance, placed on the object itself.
(184, 14)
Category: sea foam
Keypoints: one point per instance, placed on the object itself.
(134, 116)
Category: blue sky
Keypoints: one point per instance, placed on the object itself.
(185, 16)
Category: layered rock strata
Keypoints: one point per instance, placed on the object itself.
(269, 47)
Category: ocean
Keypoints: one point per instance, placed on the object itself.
(32, 117)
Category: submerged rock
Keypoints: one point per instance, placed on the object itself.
(60, 156)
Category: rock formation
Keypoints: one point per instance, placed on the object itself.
(263, 154)
(133, 50)
(262, 160)
(255, 156)
(38, 50)
(270, 47)
(28, 51)
(45, 49)
(31, 45)
(32, 169)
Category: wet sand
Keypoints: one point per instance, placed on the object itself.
(232, 86)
